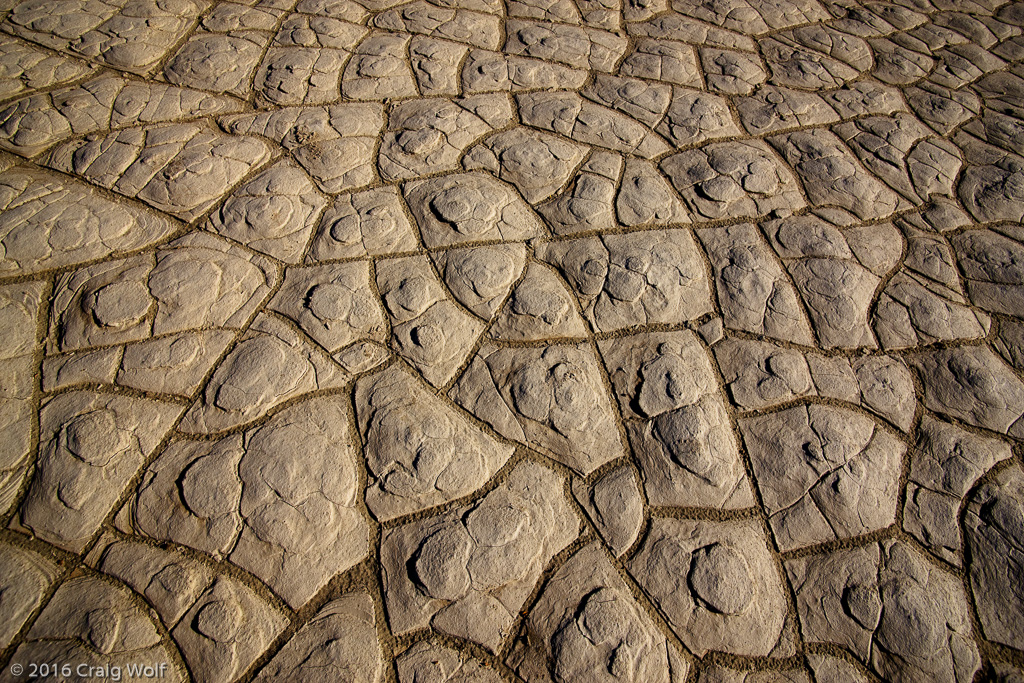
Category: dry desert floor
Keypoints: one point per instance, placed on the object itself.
(478, 341)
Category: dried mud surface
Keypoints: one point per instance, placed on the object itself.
(468, 341)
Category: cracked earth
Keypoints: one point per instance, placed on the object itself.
(554, 341)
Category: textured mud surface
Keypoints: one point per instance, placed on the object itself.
(467, 341)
